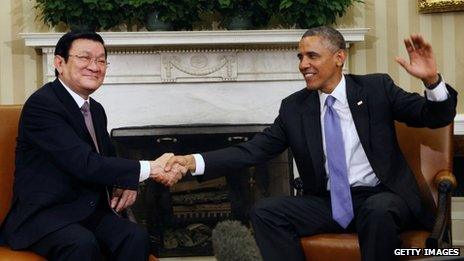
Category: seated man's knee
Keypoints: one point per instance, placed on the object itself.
(84, 243)
(136, 235)
(266, 207)
(382, 208)
(140, 235)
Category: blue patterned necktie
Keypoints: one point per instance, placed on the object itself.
(340, 195)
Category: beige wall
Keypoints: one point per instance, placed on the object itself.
(389, 22)
(19, 65)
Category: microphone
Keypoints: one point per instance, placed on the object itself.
(232, 241)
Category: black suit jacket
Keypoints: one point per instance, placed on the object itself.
(59, 177)
(298, 126)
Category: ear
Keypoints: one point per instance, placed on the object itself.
(340, 57)
(59, 62)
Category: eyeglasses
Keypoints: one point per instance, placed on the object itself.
(86, 60)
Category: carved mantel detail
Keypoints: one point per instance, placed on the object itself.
(202, 66)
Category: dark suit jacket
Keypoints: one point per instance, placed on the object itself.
(59, 177)
(298, 126)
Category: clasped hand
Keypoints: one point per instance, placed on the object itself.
(169, 177)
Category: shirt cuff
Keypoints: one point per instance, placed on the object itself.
(437, 94)
(144, 170)
(199, 165)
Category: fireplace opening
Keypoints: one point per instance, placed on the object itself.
(180, 219)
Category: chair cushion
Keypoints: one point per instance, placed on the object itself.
(331, 247)
(6, 254)
(150, 258)
(345, 246)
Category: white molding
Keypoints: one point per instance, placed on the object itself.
(459, 124)
(194, 38)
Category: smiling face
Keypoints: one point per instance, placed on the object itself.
(321, 63)
(82, 75)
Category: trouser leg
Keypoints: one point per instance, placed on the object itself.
(379, 221)
(123, 239)
(72, 242)
(279, 223)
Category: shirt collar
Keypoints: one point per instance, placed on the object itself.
(78, 99)
(339, 93)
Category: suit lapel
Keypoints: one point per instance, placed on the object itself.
(357, 100)
(311, 122)
(76, 116)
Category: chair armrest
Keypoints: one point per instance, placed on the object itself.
(445, 182)
(445, 175)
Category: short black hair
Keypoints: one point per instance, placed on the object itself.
(332, 35)
(65, 42)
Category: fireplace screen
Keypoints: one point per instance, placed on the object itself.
(180, 219)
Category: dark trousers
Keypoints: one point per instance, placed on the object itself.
(380, 216)
(103, 235)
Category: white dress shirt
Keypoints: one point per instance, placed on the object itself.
(360, 172)
(144, 165)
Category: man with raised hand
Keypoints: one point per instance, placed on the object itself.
(341, 131)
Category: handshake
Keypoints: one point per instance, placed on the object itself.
(169, 169)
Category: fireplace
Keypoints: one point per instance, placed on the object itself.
(180, 219)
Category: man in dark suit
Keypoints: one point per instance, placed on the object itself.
(341, 131)
(66, 164)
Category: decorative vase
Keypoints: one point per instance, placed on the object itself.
(153, 23)
(239, 22)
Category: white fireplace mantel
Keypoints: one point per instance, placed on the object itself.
(186, 77)
(193, 38)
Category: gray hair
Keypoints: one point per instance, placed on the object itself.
(334, 37)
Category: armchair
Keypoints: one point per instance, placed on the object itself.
(429, 153)
(9, 118)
